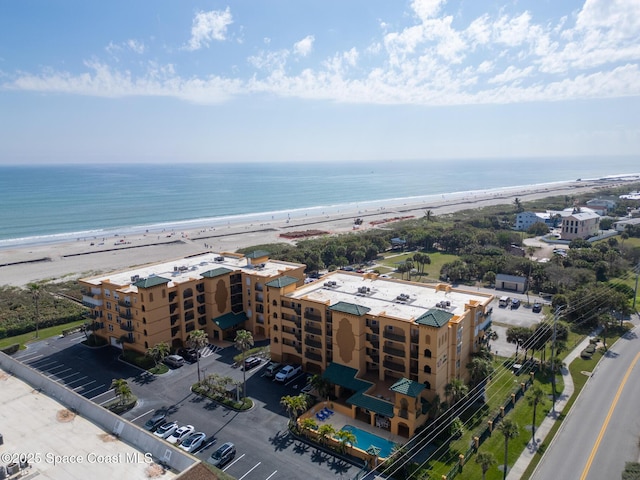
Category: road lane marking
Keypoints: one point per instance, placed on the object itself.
(251, 470)
(587, 467)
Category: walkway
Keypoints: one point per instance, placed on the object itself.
(518, 469)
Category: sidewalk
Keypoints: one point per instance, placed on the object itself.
(518, 469)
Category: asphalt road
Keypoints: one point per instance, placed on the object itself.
(264, 448)
(601, 432)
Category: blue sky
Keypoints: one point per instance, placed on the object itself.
(330, 80)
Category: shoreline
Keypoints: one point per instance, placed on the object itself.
(70, 259)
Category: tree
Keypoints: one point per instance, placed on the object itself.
(535, 396)
(456, 390)
(456, 428)
(36, 289)
(197, 340)
(518, 204)
(121, 389)
(294, 404)
(244, 341)
(159, 352)
(325, 431)
(345, 437)
(428, 215)
(308, 424)
(320, 384)
(486, 460)
(509, 429)
(479, 369)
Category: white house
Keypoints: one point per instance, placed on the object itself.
(620, 225)
(525, 220)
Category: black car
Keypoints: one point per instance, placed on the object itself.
(537, 308)
(191, 355)
(155, 421)
(251, 362)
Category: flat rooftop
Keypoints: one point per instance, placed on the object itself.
(394, 298)
(185, 269)
(60, 445)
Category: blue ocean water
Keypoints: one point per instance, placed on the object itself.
(46, 203)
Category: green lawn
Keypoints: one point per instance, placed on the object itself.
(42, 334)
(431, 271)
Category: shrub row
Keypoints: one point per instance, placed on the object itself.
(11, 330)
(11, 349)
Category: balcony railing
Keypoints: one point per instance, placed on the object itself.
(374, 328)
(394, 336)
(312, 330)
(313, 356)
(314, 317)
(128, 327)
(312, 343)
(396, 352)
(124, 303)
(396, 367)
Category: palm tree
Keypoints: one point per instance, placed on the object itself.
(197, 340)
(158, 352)
(294, 404)
(320, 384)
(480, 369)
(324, 431)
(428, 215)
(535, 397)
(244, 341)
(345, 437)
(518, 205)
(122, 389)
(308, 424)
(455, 390)
(36, 289)
(485, 460)
(509, 429)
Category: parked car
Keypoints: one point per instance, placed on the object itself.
(166, 429)
(191, 355)
(222, 455)
(175, 361)
(537, 307)
(272, 369)
(156, 420)
(193, 442)
(288, 372)
(180, 434)
(251, 362)
(515, 303)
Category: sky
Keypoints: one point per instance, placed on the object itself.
(329, 80)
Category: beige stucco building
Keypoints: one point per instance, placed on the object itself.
(387, 346)
(580, 224)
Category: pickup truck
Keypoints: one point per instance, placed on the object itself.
(288, 372)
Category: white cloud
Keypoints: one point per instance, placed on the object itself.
(208, 26)
(136, 46)
(304, 46)
(511, 74)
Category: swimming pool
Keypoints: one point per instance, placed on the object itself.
(365, 439)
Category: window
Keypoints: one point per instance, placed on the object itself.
(164, 293)
(427, 353)
(151, 297)
(110, 328)
(427, 369)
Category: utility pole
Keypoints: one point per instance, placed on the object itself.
(556, 315)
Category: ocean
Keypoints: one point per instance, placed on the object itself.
(49, 203)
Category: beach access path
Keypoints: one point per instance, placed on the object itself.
(20, 265)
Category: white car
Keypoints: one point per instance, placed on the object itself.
(180, 434)
(288, 373)
(193, 442)
(166, 430)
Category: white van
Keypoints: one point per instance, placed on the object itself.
(505, 301)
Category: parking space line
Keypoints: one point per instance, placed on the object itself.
(271, 475)
(69, 376)
(76, 380)
(33, 355)
(100, 394)
(41, 367)
(95, 388)
(83, 385)
(252, 469)
(232, 463)
(106, 401)
(57, 373)
(140, 416)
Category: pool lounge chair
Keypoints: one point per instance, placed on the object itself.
(327, 412)
(321, 416)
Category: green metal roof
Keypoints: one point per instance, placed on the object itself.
(216, 272)
(345, 377)
(229, 320)
(151, 282)
(407, 387)
(281, 281)
(257, 254)
(434, 318)
(351, 308)
(377, 405)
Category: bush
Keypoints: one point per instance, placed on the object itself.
(11, 349)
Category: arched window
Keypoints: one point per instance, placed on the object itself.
(427, 353)
(275, 314)
(275, 339)
(144, 320)
(427, 385)
(145, 333)
(427, 369)
(275, 303)
(275, 328)
(146, 344)
(427, 339)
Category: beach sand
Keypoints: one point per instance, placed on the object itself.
(21, 265)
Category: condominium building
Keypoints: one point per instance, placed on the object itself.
(388, 347)
(217, 293)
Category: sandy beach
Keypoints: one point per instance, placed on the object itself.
(21, 265)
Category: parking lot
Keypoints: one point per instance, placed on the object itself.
(265, 450)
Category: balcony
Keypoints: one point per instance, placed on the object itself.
(394, 336)
(175, 331)
(312, 343)
(312, 330)
(126, 315)
(374, 328)
(124, 303)
(174, 319)
(172, 297)
(414, 354)
(200, 298)
(188, 304)
(313, 356)
(373, 357)
(172, 308)
(415, 338)
(259, 297)
(127, 327)
(396, 367)
(314, 317)
(396, 352)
